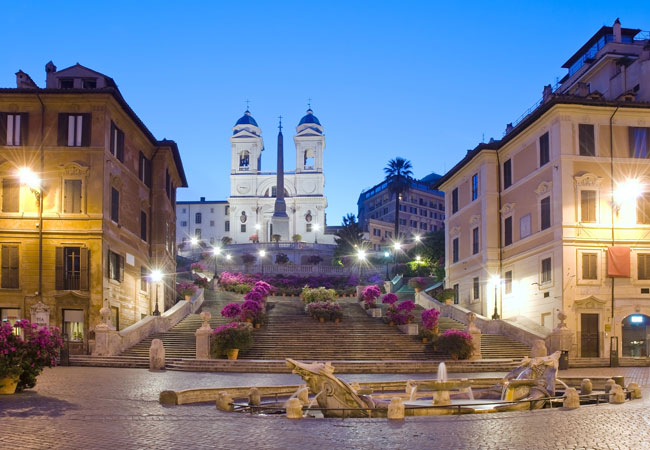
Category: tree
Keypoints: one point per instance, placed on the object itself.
(432, 250)
(398, 174)
(226, 240)
(349, 237)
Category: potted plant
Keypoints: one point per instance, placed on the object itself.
(276, 238)
(429, 325)
(418, 283)
(197, 267)
(231, 311)
(186, 289)
(446, 296)
(247, 258)
(201, 282)
(281, 258)
(228, 340)
(296, 238)
(369, 295)
(456, 343)
(24, 355)
(250, 311)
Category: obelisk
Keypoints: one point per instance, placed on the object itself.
(280, 220)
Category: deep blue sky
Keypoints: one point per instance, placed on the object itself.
(412, 79)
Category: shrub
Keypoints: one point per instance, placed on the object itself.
(324, 310)
(231, 336)
(250, 310)
(456, 343)
(247, 258)
(320, 294)
(314, 260)
(197, 267)
(231, 311)
(201, 282)
(242, 288)
(446, 294)
(406, 306)
(389, 299)
(430, 318)
(26, 355)
(400, 314)
(281, 258)
(185, 288)
(369, 295)
(263, 287)
(254, 296)
(418, 282)
(296, 238)
(276, 238)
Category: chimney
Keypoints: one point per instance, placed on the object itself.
(50, 71)
(509, 128)
(582, 89)
(617, 31)
(547, 92)
(24, 81)
(202, 199)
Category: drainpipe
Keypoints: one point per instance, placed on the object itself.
(40, 202)
(151, 226)
(611, 176)
(500, 243)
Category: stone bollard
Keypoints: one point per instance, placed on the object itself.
(586, 387)
(616, 395)
(571, 399)
(254, 397)
(303, 395)
(224, 401)
(476, 334)
(396, 409)
(539, 349)
(294, 409)
(635, 391)
(608, 385)
(203, 337)
(156, 355)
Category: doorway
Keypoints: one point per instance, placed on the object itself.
(589, 336)
(635, 330)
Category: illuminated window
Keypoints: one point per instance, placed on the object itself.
(507, 281)
(10, 267)
(73, 324)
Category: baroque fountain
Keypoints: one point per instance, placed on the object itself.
(531, 385)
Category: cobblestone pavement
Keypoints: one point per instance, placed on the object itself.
(88, 408)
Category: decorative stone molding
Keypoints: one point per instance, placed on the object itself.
(455, 231)
(590, 302)
(144, 203)
(544, 188)
(40, 314)
(74, 169)
(508, 208)
(116, 181)
(587, 179)
(475, 220)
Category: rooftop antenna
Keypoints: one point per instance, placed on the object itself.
(280, 125)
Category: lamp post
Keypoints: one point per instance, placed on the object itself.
(156, 276)
(496, 280)
(361, 256)
(258, 227)
(194, 241)
(316, 228)
(216, 251)
(262, 254)
(30, 179)
(396, 246)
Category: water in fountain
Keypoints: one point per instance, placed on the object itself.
(442, 372)
(311, 403)
(563, 383)
(295, 394)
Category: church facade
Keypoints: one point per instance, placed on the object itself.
(253, 192)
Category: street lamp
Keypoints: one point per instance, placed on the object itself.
(397, 247)
(496, 280)
(361, 255)
(386, 256)
(156, 276)
(316, 227)
(262, 255)
(216, 251)
(30, 179)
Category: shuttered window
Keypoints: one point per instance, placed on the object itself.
(587, 206)
(586, 140)
(115, 205)
(72, 196)
(115, 266)
(144, 170)
(455, 250)
(643, 209)
(143, 226)
(10, 266)
(545, 212)
(544, 150)
(72, 268)
(10, 195)
(13, 129)
(117, 142)
(507, 174)
(74, 130)
(507, 231)
(589, 266)
(643, 266)
(546, 270)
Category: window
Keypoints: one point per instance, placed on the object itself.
(507, 174)
(72, 196)
(589, 266)
(197, 217)
(212, 223)
(413, 223)
(308, 228)
(643, 209)
(455, 250)
(587, 142)
(10, 195)
(639, 142)
(66, 83)
(242, 228)
(545, 212)
(587, 206)
(524, 226)
(143, 226)
(89, 83)
(117, 142)
(226, 209)
(73, 324)
(115, 205)
(227, 225)
(474, 186)
(456, 292)
(13, 129)
(475, 241)
(144, 279)
(144, 171)
(197, 233)
(115, 266)
(10, 266)
(168, 184)
(402, 221)
(546, 270)
(454, 201)
(423, 226)
(507, 231)
(507, 282)
(643, 266)
(74, 130)
(413, 210)
(476, 289)
(243, 161)
(71, 269)
(544, 151)
(183, 223)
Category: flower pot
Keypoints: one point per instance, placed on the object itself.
(425, 340)
(448, 301)
(232, 353)
(188, 297)
(8, 385)
(391, 324)
(417, 289)
(249, 320)
(321, 319)
(337, 320)
(435, 330)
(257, 325)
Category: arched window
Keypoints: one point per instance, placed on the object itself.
(309, 159)
(197, 218)
(244, 160)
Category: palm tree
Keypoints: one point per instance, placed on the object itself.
(398, 174)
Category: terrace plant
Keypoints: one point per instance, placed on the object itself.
(369, 296)
(231, 311)
(235, 335)
(319, 294)
(400, 314)
(418, 283)
(456, 343)
(185, 288)
(324, 311)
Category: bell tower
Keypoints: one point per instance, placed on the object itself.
(310, 143)
(247, 145)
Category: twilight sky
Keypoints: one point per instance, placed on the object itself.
(420, 80)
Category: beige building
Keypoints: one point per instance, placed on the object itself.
(556, 215)
(88, 205)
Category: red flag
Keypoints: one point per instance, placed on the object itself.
(618, 262)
